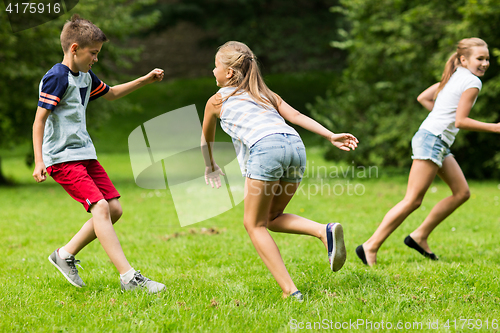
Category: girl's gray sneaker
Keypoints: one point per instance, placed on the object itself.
(142, 282)
(68, 268)
(297, 296)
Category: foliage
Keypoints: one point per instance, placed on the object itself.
(286, 35)
(27, 55)
(396, 50)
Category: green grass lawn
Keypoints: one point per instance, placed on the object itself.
(215, 280)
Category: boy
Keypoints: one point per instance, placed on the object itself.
(64, 150)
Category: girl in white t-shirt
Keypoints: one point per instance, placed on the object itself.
(450, 102)
(271, 155)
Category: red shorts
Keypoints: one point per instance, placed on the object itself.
(85, 181)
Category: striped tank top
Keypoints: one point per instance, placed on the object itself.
(247, 122)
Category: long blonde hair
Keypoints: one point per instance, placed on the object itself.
(464, 48)
(247, 77)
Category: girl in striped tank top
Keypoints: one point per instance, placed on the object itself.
(271, 157)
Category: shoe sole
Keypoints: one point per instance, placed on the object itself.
(143, 289)
(64, 274)
(410, 242)
(339, 251)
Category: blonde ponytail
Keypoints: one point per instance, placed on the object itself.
(464, 48)
(246, 73)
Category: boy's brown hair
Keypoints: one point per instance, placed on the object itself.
(80, 31)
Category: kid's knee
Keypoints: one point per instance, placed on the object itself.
(251, 225)
(413, 203)
(416, 203)
(464, 195)
(272, 217)
(115, 210)
(100, 207)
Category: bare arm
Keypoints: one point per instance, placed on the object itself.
(212, 170)
(121, 90)
(463, 121)
(343, 141)
(40, 172)
(426, 98)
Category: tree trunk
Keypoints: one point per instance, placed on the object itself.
(3, 180)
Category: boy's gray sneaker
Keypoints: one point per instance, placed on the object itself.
(142, 282)
(68, 268)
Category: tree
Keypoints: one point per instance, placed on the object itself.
(27, 55)
(286, 35)
(397, 49)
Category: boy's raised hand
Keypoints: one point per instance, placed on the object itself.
(155, 75)
(344, 141)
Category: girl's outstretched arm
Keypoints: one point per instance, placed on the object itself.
(463, 121)
(212, 170)
(343, 141)
(426, 98)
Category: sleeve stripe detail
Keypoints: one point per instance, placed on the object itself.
(98, 90)
(48, 101)
(99, 87)
(50, 96)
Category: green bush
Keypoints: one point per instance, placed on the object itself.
(286, 36)
(396, 50)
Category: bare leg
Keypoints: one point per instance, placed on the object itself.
(100, 226)
(452, 175)
(86, 234)
(290, 223)
(422, 174)
(259, 195)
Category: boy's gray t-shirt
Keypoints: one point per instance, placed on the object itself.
(66, 94)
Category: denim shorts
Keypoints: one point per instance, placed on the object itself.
(277, 157)
(427, 146)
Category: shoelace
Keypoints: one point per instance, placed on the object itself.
(140, 280)
(72, 263)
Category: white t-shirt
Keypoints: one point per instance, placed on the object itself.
(441, 120)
